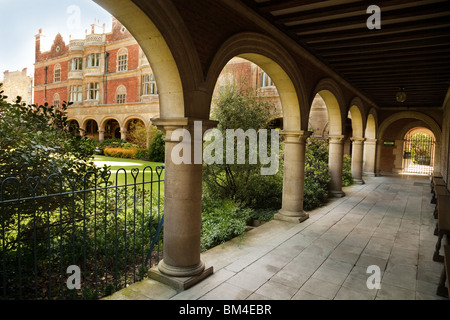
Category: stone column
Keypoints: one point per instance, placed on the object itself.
(357, 159)
(182, 208)
(370, 149)
(123, 134)
(101, 135)
(293, 176)
(380, 144)
(335, 164)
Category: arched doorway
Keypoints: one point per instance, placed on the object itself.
(418, 151)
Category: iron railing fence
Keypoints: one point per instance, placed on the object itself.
(68, 238)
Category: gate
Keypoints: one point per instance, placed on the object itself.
(418, 153)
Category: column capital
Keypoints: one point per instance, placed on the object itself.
(371, 141)
(357, 140)
(295, 136)
(336, 139)
(169, 125)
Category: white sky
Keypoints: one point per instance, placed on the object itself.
(21, 20)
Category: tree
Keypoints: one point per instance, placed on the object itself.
(237, 108)
(36, 141)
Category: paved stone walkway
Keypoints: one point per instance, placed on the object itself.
(386, 222)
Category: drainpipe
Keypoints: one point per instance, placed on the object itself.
(106, 77)
(45, 82)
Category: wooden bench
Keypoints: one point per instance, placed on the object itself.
(445, 275)
(443, 225)
(437, 182)
(440, 192)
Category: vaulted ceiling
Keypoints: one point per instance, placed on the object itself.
(411, 50)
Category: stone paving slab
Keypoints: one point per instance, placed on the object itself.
(386, 222)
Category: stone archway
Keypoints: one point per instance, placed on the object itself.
(333, 97)
(357, 140)
(265, 53)
(412, 115)
(370, 144)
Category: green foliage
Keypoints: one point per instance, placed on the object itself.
(317, 175)
(222, 220)
(157, 147)
(36, 141)
(347, 178)
(241, 109)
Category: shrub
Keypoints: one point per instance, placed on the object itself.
(239, 109)
(119, 152)
(143, 154)
(112, 143)
(317, 175)
(347, 178)
(157, 147)
(222, 220)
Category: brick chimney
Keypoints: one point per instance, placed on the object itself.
(38, 44)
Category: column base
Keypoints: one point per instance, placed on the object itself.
(179, 282)
(336, 194)
(358, 181)
(297, 217)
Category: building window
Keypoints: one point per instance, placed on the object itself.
(57, 73)
(93, 60)
(264, 80)
(56, 100)
(121, 94)
(92, 91)
(122, 60)
(149, 84)
(76, 93)
(76, 64)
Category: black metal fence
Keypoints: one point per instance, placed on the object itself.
(69, 238)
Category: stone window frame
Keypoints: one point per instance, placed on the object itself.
(56, 100)
(264, 80)
(93, 91)
(57, 73)
(93, 60)
(121, 94)
(149, 84)
(76, 91)
(122, 60)
(76, 64)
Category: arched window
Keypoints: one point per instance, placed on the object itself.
(121, 94)
(149, 84)
(57, 73)
(56, 100)
(122, 60)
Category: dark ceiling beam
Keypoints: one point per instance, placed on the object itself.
(411, 15)
(406, 46)
(397, 40)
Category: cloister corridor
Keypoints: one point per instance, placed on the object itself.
(387, 222)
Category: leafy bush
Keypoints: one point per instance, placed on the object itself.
(143, 154)
(120, 152)
(157, 147)
(347, 178)
(36, 141)
(222, 220)
(240, 109)
(112, 143)
(317, 175)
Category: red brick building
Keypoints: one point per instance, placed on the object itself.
(106, 76)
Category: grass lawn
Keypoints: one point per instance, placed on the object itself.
(121, 169)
